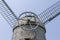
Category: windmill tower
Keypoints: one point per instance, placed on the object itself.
(29, 26)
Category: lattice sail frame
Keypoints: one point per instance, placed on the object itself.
(45, 16)
(50, 13)
(7, 13)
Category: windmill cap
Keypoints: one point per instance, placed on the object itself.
(24, 21)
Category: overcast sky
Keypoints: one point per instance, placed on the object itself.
(36, 6)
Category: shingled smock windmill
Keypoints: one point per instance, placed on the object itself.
(29, 26)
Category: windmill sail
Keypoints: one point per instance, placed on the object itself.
(7, 13)
(50, 13)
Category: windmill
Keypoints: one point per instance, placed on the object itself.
(29, 26)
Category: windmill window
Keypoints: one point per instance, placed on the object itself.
(27, 38)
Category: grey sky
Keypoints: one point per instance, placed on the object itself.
(36, 6)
